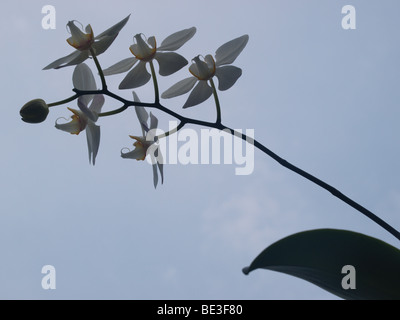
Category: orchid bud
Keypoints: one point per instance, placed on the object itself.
(34, 111)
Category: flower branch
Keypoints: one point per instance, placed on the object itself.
(59, 103)
(96, 61)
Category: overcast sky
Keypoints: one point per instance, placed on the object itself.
(324, 98)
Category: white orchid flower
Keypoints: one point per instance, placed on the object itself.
(79, 40)
(85, 117)
(146, 50)
(83, 42)
(146, 144)
(203, 70)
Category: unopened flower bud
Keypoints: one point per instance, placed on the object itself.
(34, 111)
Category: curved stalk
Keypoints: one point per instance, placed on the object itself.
(103, 80)
(58, 103)
(155, 83)
(166, 134)
(218, 125)
(217, 105)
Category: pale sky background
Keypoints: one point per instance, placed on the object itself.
(323, 98)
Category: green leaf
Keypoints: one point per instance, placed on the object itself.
(318, 256)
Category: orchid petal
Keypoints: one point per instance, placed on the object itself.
(70, 127)
(177, 39)
(203, 70)
(153, 152)
(93, 141)
(97, 104)
(135, 97)
(74, 58)
(137, 77)
(102, 45)
(88, 29)
(194, 69)
(83, 79)
(151, 132)
(136, 154)
(121, 66)
(157, 161)
(227, 76)
(145, 128)
(141, 114)
(160, 163)
(153, 122)
(141, 48)
(104, 40)
(114, 30)
(201, 92)
(85, 110)
(155, 175)
(181, 87)
(79, 40)
(228, 52)
(76, 125)
(152, 42)
(170, 62)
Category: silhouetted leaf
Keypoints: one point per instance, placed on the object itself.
(319, 256)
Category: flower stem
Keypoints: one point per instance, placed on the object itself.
(156, 91)
(96, 61)
(113, 112)
(63, 101)
(216, 101)
(166, 134)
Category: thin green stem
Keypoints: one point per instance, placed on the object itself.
(126, 103)
(113, 112)
(63, 101)
(155, 83)
(217, 105)
(96, 61)
(166, 134)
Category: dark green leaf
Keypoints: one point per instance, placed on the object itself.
(319, 256)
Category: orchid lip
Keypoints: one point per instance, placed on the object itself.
(80, 40)
(203, 69)
(142, 50)
(79, 119)
(143, 144)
